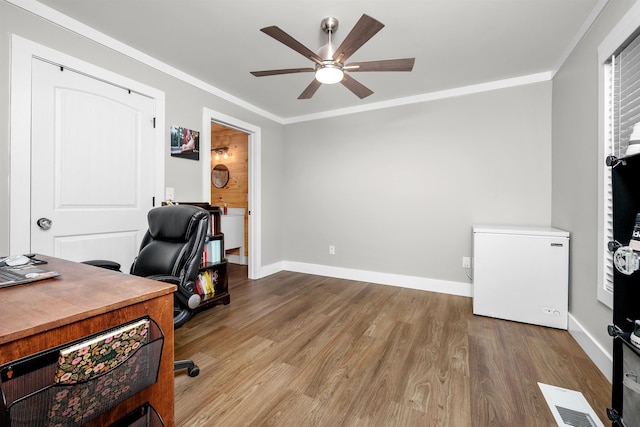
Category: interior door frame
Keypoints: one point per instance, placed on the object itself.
(23, 51)
(254, 193)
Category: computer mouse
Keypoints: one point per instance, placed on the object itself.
(16, 260)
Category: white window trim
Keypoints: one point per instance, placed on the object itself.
(605, 267)
(620, 33)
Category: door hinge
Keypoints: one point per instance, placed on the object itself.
(153, 201)
(154, 122)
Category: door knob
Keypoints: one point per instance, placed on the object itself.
(44, 223)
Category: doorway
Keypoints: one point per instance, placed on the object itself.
(230, 153)
(253, 210)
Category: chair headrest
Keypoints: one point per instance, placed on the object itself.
(175, 223)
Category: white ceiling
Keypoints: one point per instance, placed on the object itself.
(456, 43)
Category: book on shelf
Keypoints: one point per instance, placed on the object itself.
(214, 251)
(200, 289)
(206, 284)
(205, 256)
(212, 224)
(211, 289)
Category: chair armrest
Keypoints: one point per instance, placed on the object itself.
(185, 297)
(102, 263)
(186, 292)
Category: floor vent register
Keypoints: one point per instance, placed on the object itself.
(569, 407)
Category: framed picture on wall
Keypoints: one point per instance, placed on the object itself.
(185, 143)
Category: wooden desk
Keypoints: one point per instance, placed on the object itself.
(82, 301)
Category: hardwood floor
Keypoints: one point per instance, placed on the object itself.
(301, 350)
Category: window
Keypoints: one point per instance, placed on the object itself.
(620, 103)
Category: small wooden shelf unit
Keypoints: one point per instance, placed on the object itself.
(221, 295)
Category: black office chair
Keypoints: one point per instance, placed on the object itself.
(171, 251)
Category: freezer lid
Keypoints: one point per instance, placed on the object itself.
(519, 230)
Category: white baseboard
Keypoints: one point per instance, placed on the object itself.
(268, 270)
(412, 282)
(600, 356)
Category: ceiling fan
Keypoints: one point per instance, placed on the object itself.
(330, 64)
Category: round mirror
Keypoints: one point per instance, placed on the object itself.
(220, 176)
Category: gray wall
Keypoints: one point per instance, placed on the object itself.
(397, 190)
(575, 169)
(184, 105)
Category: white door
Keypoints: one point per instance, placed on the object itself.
(92, 166)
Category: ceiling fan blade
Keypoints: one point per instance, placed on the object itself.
(405, 64)
(360, 90)
(284, 71)
(365, 28)
(310, 90)
(289, 41)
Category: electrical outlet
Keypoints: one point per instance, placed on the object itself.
(332, 250)
(466, 262)
(168, 193)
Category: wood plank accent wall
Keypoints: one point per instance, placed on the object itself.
(235, 194)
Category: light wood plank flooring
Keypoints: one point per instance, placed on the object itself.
(302, 350)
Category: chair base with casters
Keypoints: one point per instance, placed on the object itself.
(171, 251)
(192, 369)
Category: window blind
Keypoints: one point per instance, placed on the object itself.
(609, 150)
(626, 94)
(622, 90)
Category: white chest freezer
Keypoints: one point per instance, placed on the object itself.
(521, 274)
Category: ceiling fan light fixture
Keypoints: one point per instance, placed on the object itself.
(329, 74)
